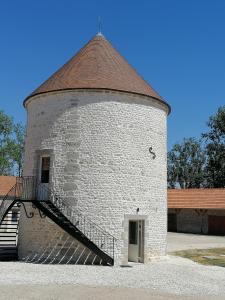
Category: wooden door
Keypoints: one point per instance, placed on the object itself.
(216, 225)
(172, 222)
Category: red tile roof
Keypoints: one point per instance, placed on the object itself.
(196, 198)
(6, 183)
(97, 66)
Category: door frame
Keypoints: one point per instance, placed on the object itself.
(40, 167)
(138, 246)
(125, 236)
(37, 170)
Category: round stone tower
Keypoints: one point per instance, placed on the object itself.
(96, 137)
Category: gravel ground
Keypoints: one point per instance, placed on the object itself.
(71, 292)
(172, 275)
(184, 241)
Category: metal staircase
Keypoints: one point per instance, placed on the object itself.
(9, 216)
(70, 219)
(9, 234)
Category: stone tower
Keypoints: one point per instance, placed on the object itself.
(96, 136)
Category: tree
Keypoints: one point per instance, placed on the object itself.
(186, 163)
(215, 149)
(11, 146)
(6, 129)
(18, 147)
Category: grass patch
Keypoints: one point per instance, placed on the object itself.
(213, 257)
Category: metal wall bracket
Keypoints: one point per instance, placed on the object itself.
(152, 153)
(41, 215)
(28, 215)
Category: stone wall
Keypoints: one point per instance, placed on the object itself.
(194, 220)
(42, 241)
(100, 161)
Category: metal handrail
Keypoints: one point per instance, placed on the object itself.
(101, 238)
(104, 240)
(7, 202)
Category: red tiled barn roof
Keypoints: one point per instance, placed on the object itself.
(6, 183)
(196, 198)
(97, 66)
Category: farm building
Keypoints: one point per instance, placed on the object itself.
(9, 226)
(197, 211)
(6, 183)
(94, 182)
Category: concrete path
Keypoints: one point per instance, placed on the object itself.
(183, 241)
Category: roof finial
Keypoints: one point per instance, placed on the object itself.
(99, 26)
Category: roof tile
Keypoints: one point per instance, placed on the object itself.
(6, 183)
(97, 66)
(196, 198)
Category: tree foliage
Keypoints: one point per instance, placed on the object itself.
(6, 129)
(186, 162)
(11, 146)
(215, 150)
(190, 165)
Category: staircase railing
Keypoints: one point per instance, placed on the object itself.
(8, 202)
(101, 238)
(28, 188)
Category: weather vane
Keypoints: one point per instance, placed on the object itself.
(99, 26)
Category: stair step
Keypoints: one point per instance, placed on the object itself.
(8, 242)
(7, 231)
(10, 221)
(8, 247)
(9, 225)
(3, 237)
(8, 252)
(56, 212)
(12, 226)
(9, 228)
(7, 234)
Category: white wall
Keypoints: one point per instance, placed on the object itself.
(101, 161)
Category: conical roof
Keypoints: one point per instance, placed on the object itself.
(97, 66)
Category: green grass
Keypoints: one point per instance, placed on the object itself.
(197, 255)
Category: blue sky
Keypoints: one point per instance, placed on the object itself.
(178, 46)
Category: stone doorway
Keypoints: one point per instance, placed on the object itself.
(136, 241)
